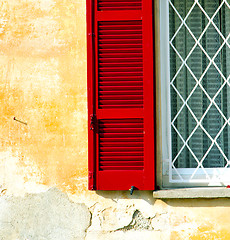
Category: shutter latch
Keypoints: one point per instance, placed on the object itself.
(92, 122)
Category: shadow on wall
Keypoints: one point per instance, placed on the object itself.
(223, 202)
(148, 197)
(118, 195)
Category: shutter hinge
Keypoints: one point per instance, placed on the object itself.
(91, 177)
(91, 34)
(92, 122)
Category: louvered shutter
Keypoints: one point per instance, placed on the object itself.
(121, 94)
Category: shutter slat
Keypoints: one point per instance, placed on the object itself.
(124, 158)
(99, 1)
(120, 41)
(121, 4)
(121, 154)
(120, 74)
(121, 78)
(120, 102)
(118, 5)
(121, 168)
(123, 106)
(126, 93)
(119, 8)
(121, 163)
(121, 50)
(122, 69)
(118, 60)
(119, 64)
(120, 144)
(112, 1)
(120, 27)
(121, 149)
(110, 135)
(122, 125)
(125, 87)
(121, 36)
(121, 130)
(120, 55)
(118, 83)
(121, 32)
(121, 140)
(120, 23)
(120, 88)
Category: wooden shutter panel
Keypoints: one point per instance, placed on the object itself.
(121, 94)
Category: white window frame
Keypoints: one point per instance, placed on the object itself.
(170, 176)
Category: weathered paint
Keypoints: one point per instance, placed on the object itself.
(43, 83)
(43, 216)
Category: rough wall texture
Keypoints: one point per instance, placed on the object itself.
(43, 85)
(45, 216)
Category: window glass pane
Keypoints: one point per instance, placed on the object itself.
(199, 45)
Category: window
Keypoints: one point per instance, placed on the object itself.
(195, 93)
(195, 78)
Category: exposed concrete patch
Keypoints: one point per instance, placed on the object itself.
(111, 218)
(138, 223)
(44, 216)
(123, 217)
(116, 218)
(111, 214)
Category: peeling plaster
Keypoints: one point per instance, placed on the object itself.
(138, 223)
(44, 216)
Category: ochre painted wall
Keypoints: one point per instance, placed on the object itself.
(43, 83)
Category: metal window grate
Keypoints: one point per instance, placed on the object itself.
(198, 85)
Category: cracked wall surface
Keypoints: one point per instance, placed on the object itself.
(43, 216)
(43, 156)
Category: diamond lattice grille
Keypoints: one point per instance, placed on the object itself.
(199, 43)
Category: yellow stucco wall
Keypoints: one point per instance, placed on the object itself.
(43, 83)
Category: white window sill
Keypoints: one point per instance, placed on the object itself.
(186, 193)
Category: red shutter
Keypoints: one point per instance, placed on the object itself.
(121, 94)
